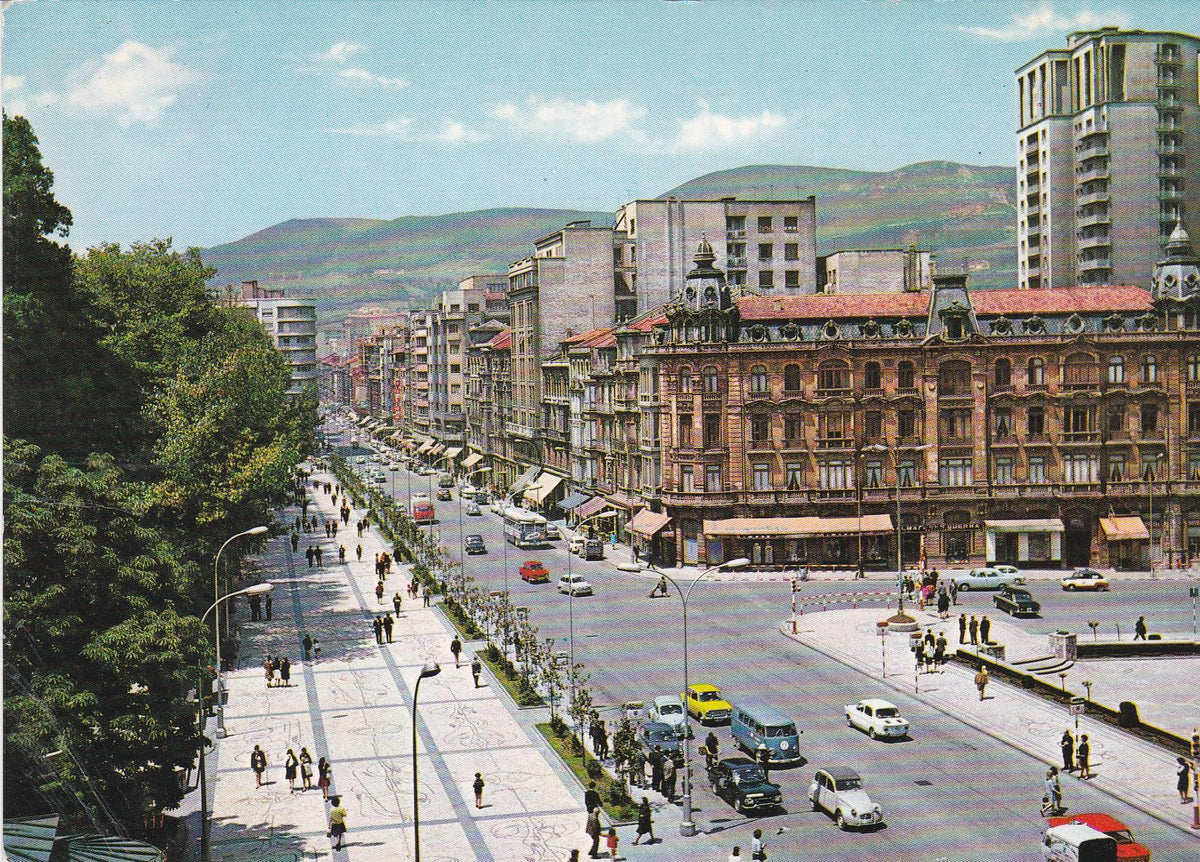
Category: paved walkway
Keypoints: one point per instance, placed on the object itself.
(1124, 766)
(353, 705)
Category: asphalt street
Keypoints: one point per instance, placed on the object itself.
(948, 792)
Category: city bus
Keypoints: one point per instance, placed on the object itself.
(523, 528)
(422, 510)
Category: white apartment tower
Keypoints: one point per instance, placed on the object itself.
(1108, 156)
(292, 325)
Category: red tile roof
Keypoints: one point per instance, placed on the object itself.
(593, 338)
(1061, 300)
(834, 306)
(647, 321)
(502, 340)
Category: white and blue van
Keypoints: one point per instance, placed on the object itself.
(756, 724)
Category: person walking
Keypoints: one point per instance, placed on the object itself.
(308, 643)
(316, 649)
(425, 595)
(324, 776)
(285, 671)
(290, 765)
(985, 630)
(981, 681)
(645, 822)
(593, 830)
(919, 654)
(379, 593)
(295, 542)
(477, 786)
(1082, 752)
(1067, 744)
(943, 604)
(1139, 629)
(973, 628)
(601, 740)
(939, 651)
(310, 555)
(591, 797)
(255, 608)
(668, 776)
(1054, 790)
(341, 553)
(337, 821)
(954, 592)
(377, 624)
(962, 628)
(397, 601)
(758, 847)
(320, 554)
(735, 855)
(306, 771)
(1182, 775)
(476, 669)
(612, 840)
(711, 749)
(387, 626)
(258, 762)
(456, 649)
(269, 671)
(656, 769)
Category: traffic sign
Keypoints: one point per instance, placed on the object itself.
(1077, 706)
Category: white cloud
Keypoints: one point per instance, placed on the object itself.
(362, 76)
(575, 122)
(397, 128)
(339, 52)
(135, 81)
(707, 130)
(14, 82)
(404, 129)
(1044, 21)
(454, 132)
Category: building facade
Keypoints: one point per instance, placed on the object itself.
(292, 325)
(1108, 154)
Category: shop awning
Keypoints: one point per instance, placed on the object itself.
(425, 447)
(30, 839)
(453, 452)
(646, 523)
(438, 449)
(1026, 525)
(472, 459)
(524, 480)
(591, 507)
(573, 501)
(545, 484)
(623, 501)
(798, 528)
(109, 848)
(1124, 528)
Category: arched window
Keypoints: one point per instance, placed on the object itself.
(1116, 369)
(905, 375)
(1003, 373)
(685, 380)
(954, 378)
(1081, 371)
(712, 383)
(1193, 368)
(833, 377)
(1149, 370)
(1035, 371)
(791, 378)
(872, 377)
(758, 380)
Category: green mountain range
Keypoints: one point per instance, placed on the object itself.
(964, 213)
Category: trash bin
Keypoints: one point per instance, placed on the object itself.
(1128, 716)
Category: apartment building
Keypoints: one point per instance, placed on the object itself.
(1108, 155)
(292, 325)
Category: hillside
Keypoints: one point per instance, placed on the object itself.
(961, 212)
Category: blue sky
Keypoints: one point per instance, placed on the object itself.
(206, 121)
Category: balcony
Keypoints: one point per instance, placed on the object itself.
(794, 444)
(1095, 218)
(1169, 148)
(699, 499)
(1033, 211)
(1093, 197)
(955, 440)
(1168, 59)
(835, 443)
(834, 393)
(760, 445)
(1171, 194)
(735, 234)
(1004, 440)
(1076, 437)
(736, 262)
(1096, 172)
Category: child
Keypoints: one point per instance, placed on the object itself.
(478, 790)
(612, 842)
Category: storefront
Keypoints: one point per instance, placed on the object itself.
(794, 542)
(1029, 542)
(540, 494)
(1128, 541)
(646, 530)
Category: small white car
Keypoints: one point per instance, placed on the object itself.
(1085, 579)
(551, 533)
(574, 585)
(473, 509)
(668, 709)
(838, 790)
(989, 578)
(877, 717)
(575, 544)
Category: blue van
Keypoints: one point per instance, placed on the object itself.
(755, 724)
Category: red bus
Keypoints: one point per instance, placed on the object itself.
(422, 510)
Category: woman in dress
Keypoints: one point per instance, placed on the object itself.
(289, 769)
(306, 768)
(324, 773)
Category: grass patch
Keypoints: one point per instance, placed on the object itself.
(614, 795)
(465, 625)
(510, 678)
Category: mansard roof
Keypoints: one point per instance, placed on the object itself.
(826, 306)
(600, 337)
(1062, 300)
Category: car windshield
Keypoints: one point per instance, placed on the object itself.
(670, 709)
(749, 775)
(781, 730)
(848, 783)
(887, 712)
(662, 735)
(708, 695)
(1123, 836)
(1021, 596)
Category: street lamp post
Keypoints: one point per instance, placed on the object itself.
(607, 513)
(899, 521)
(688, 826)
(254, 590)
(431, 669)
(253, 531)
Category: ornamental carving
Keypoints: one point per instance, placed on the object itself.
(903, 328)
(830, 331)
(1114, 323)
(1002, 326)
(791, 331)
(1074, 324)
(871, 329)
(1035, 325)
(758, 332)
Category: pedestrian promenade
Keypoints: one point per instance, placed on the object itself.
(353, 705)
(1124, 766)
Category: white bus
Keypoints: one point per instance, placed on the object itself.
(523, 528)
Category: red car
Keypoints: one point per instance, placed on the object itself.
(534, 572)
(1128, 850)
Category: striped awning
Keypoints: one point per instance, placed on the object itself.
(425, 447)
(524, 480)
(108, 848)
(646, 523)
(472, 459)
(453, 452)
(30, 839)
(798, 528)
(1124, 528)
(542, 489)
(591, 507)
(623, 501)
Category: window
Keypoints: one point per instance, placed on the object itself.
(954, 472)
(872, 377)
(762, 477)
(1115, 423)
(1003, 374)
(732, 223)
(836, 475)
(1149, 370)
(685, 430)
(1080, 371)
(954, 378)
(1037, 470)
(1150, 467)
(873, 425)
(1079, 419)
(795, 475)
(791, 278)
(1035, 421)
(905, 375)
(758, 380)
(873, 478)
(1116, 369)
(1003, 416)
(956, 424)
(760, 429)
(1080, 468)
(793, 428)
(791, 378)
(1193, 466)
(712, 431)
(766, 279)
(1193, 419)
(906, 423)
(766, 224)
(1116, 468)
(712, 477)
(833, 377)
(1149, 418)
(712, 383)
(836, 428)
(791, 251)
(908, 473)
(766, 250)
(1193, 368)
(791, 224)
(1035, 372)
(1004, 470)
(687, 478)
(685, 380)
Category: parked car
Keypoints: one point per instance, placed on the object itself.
(575, 544)
(668, 709)
(473, 509)
(1085, 579)
(664, 736)
(1128, 850)
(534, 572)
(473, 544)
(361, 459)
(985, 579)
(1016, 602)
(445, 481)
(593, 549)
(551, 533)
(444, 494)
(877, 717)
(574, 585)
(838, 790)
(1075, 842)
(742, 783)
(705, 704)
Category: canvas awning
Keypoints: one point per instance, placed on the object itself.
(109, 848)
(524, 480)
(453, 452)
(540, 490)
(471, 460)
(1026, 525)
(591, 507)
(438, 449)
(425, 447)
(623, 501)
(798, 528)
(573, 501)
(30, 839)
(646, 523)
(1124, 528)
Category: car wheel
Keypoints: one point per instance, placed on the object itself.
(737, 806)
(871, 733)
(813, 802)
(839, 820)
(964, 588)
(1070, 588)
(849, 723)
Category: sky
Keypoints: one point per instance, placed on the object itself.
(205, 121)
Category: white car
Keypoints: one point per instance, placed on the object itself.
(575, 544)
(551, 533)
(362, 459)
(473, 509)
(668, 709)
(575, 585)
(989, 578)
(877, 717)
(1085, 579)
(838, 790)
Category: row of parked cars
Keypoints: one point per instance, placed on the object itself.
(1011, 595)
